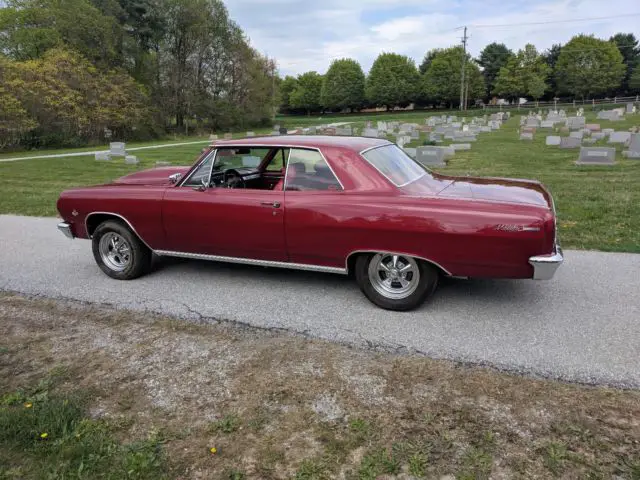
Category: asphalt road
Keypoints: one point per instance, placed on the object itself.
(584, 325)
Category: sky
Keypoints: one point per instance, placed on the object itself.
(305, 35)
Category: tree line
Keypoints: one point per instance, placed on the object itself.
(78, 71)
(583, 68)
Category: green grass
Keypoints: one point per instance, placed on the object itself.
(598, 207)
(48, 435)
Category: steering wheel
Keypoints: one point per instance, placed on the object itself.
(232, 179)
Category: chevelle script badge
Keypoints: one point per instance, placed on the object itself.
(502, 227)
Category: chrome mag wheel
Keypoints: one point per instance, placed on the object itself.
(115, 251)
(394, 276)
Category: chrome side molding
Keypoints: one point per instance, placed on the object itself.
(253, 261)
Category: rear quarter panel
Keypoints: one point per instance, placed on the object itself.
(140, 205)
(460, 236)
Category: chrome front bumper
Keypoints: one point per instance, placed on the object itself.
(545, 266)
(65, 228)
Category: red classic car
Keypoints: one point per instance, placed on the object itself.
(345, 205)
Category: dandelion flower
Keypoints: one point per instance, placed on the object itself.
(28, 405)
(44, 435)
(213, 450)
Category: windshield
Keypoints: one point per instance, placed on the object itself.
(394, 164)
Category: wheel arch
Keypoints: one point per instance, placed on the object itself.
(351, 260)
(94, 219)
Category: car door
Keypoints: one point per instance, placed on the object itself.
(313, 196)
(243, 223)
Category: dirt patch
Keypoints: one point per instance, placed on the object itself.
(280, 406)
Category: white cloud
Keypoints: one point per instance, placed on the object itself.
(306, 35)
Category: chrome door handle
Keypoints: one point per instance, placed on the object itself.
(271, 204)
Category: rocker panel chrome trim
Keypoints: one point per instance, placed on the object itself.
(253, 261)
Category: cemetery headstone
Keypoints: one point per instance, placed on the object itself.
(553, 140)
(570, 142)
(410, 151)
(593, 127)
(162, 163)
(117, 149)
(102, 157)
(131, 160)
(634, 147)
(619, 137)
(228, 136)
(251, 134)
(370, 132)
(282, 131)
(589, 141)
(213, 138)
(597, 156)
(435, 137)
(546, 124)
(597, 135)
(461, 146)
(526, 136)
(431, 156)
(579, 134)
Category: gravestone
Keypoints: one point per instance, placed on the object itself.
(461, 146)
(494, 124)
(553, 140)
(629, 107)
(546, 124)
(575, 122)
(598, 135)
(619, 137)
(608, 131)
(312, 130)
(485, 128)
(449, 151)
(343, 131)
(370, 132)
(435, 137)
(597, 156)
(532, 122)
(162, 163)
(593, 127)
(251, 134)
(415, 134)
(570, 142)
(131, 160)
(102, 157)
(282, 131)
(431, 156)
(117, 149)
(579, 134)
(382, 126)
(213, 138)
(410, 151)
(588, 141)
(526, 136)
(634, 147)
(228, 136)
(528, 130)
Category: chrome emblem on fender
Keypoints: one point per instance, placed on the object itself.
(502, 227)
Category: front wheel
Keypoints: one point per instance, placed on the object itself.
(395, 282)
(119, 252)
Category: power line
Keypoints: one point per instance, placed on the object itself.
(557, 21)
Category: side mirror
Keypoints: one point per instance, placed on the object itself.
(175, 177)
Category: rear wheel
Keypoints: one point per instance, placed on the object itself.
(395, 282)
(119, 252)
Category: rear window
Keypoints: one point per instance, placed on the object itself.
(394, 164)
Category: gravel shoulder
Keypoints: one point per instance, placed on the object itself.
(276, 405)
(582, 326)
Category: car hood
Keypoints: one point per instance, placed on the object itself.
(508, 190)
(152, 176)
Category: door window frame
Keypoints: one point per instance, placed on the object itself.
(315, 149)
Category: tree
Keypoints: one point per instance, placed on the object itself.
(428, 58)
(287, 86)
(589, 66)
(393, 81)
(628, 46)
(524, 75)
(306, 95)
(343, 85)
(634, 80)
(441, 82)
(551, 58)
(492, 58)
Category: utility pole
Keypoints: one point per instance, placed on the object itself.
(464, 60)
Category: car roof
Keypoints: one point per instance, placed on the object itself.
(356, 144)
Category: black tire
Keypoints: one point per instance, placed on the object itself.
(139, 256)
(426, 285)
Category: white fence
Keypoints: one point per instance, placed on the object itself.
(593, 103)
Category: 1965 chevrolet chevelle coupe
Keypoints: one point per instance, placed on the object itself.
(344, 205)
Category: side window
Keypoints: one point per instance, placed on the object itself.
(278, 161)
(202, 172)
(308, 170)
(239, 157)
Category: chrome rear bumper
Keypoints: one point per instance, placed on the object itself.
(65, 228)
(545, 266)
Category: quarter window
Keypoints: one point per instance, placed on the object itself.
(201, 172)
(394, 164)
(308, 170)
